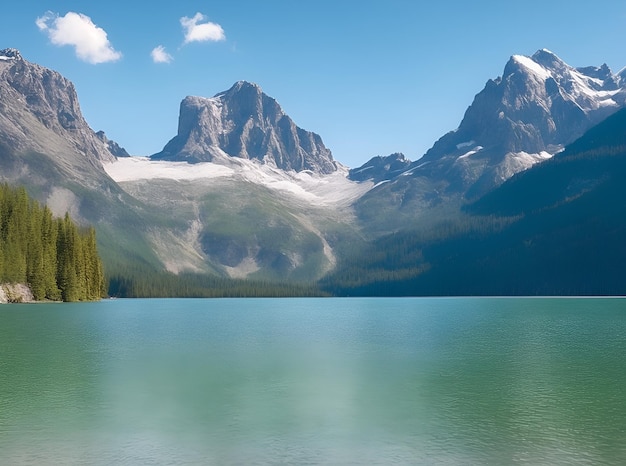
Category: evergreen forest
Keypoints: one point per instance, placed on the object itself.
(56, 258)
(555, 229)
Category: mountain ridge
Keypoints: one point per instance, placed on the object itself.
(524, 96)
(30, 89)
(519, 119)
(244, 122)
(538, 104)
(554, 229)
(47, 146)
(263, 199)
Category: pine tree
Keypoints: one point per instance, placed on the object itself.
(67, 244)
(34, 253)
(94, 275)
(49, 234)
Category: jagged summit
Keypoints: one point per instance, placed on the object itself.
(39, 111)
(586, 81)
(247, 123)
(379, 168)
(538, 105)
(242, 86)
(113, 146)
(549, 60)
(10, 54)
(242, 89)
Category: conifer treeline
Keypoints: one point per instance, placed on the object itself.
(139, 283)
(57, 259)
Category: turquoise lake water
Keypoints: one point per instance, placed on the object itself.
(314, 381)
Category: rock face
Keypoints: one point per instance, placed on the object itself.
(538, 105)
(47, 146)
(380, 168)
(15, 293)
(245, 122)
(39, 111)
(113, 146)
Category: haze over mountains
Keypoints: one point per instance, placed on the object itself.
(241, 191)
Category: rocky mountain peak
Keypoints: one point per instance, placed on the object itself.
(602, 72)
(246, 101)
(538, 105)
(247, 123)
(36, 99)
(379, 168)
(242, 86)
(113, 146)
(10, 54)
(549, 60)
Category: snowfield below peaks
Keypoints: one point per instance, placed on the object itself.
(331, 190)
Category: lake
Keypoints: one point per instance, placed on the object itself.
(314, 381)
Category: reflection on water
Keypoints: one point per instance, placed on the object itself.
(314, 381)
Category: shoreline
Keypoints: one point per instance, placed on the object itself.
(13, 293)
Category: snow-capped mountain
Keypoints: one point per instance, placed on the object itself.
(538, 105)
(527, 115)
(264, 198)
(244, 122)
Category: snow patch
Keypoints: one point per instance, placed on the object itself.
(465, 144)
(412, 170)
(361, 170)
(515, 162)
(334, 189)
(607, 103)
(531, 65)
(142, 168)
(470, 153)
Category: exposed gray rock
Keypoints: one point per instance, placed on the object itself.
(47, 147)
(539, 105)
(113, 146)
(380, 168)
(15, 293)
(245, 122)
(34, 98)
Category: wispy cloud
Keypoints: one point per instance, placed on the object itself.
(90, 42)
(199, 29)
(159, 55)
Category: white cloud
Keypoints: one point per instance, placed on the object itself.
(159, 55)
(195, 31)
(89, 41)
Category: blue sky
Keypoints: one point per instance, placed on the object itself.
(371, 77)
